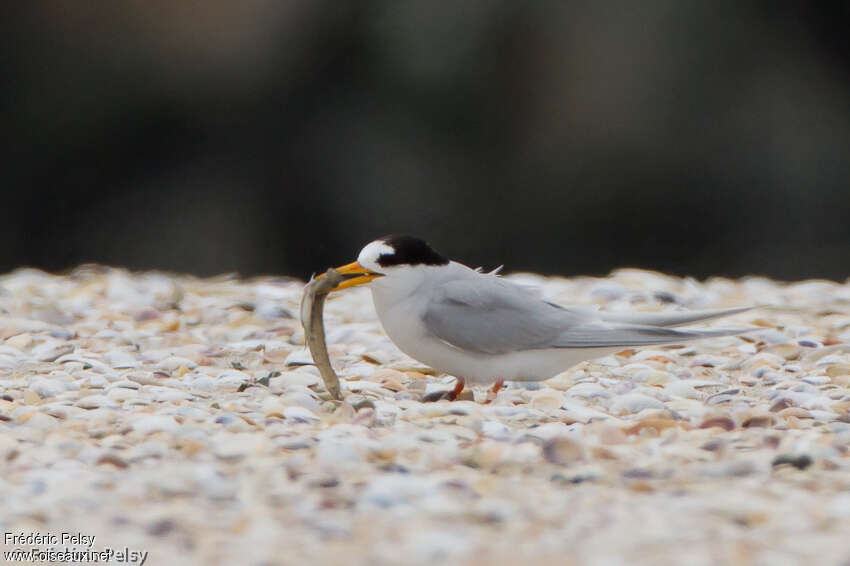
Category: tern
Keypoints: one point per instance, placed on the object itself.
(482, 328)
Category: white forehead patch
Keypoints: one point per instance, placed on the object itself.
(369, 255)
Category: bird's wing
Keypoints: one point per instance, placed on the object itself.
(666, 318)
(492, 316)
(489, 315)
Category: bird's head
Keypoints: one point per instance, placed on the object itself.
(397, 258)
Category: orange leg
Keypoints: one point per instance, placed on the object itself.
(457, 390)
(491, 394)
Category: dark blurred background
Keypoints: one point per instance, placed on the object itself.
(264, 136)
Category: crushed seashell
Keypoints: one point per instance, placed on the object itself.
(190, 408)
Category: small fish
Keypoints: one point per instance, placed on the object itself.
(312, 307)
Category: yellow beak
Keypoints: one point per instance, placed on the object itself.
(355, 274)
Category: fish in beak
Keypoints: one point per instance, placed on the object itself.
(354, 274)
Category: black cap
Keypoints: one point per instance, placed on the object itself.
(409, 251)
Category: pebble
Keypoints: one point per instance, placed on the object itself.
(298, 414)
(588, 390)
(386, 491)
(155, 423)
(41, 421)
(799, 461)
(682, 389)
(634, 403)
(576, 412)
(286, 378)
(547, 400)
(301, 399)
(563, 450)
(299, 357)
(838, 370)
(495, 430)
(120, 394)
(95, 402)
(92, 380)
(230, 446)
(118, 359)
(47, 387)
(232, 378)
(50, 351)
(173, 363)
(721, 421)
(204, 383)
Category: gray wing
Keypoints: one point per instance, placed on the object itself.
(489, 315)
(492, 316)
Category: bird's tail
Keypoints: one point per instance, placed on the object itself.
(606, 335)
(667, 319)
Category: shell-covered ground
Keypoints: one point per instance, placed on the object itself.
(181, 417)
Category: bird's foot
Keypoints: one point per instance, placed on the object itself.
(453, 394)
(457, 393)
(493, 391)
